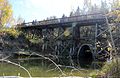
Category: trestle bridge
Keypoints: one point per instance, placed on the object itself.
(91, 36)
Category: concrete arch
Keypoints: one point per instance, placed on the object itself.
(85, 56)
(85, 52)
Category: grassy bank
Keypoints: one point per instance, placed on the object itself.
(38, 69)
(44, 70)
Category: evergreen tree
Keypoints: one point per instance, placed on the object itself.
(71, 13)
(77, 11)
(104, 8)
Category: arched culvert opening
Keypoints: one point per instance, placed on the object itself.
(85, 56)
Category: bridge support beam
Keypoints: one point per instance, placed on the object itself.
(75, 39)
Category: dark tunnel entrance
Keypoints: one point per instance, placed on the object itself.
(85, 56)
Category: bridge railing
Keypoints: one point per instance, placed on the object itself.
(64, 20)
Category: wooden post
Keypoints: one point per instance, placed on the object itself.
(75, 38)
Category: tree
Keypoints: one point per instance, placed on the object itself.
(20, 20)
(115, 10)
(71, 14)
(5, 13)
(77, 11)
(87, 6)
(94, 9)
(63, 16)
(104, 7)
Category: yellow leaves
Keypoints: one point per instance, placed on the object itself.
(6, 15)
(67, 33)
(5, 12)
(116, 4)
(10, 31)
(1, 2)
(115, 10)
(6, 18)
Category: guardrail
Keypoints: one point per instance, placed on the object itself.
(64, 20)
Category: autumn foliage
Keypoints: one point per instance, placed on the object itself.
(5, 13)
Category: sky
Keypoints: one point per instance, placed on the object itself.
(30, 10)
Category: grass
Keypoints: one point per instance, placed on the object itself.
(108, 68)
(42, 71)
(37, 69)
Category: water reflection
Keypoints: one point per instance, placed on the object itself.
(85, 63)
(82, 63)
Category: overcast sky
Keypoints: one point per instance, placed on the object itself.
(41, 9)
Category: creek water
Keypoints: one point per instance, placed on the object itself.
(38, 67)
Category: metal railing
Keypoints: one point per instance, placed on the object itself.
(64, 20)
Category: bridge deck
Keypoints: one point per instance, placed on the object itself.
(82, 20)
